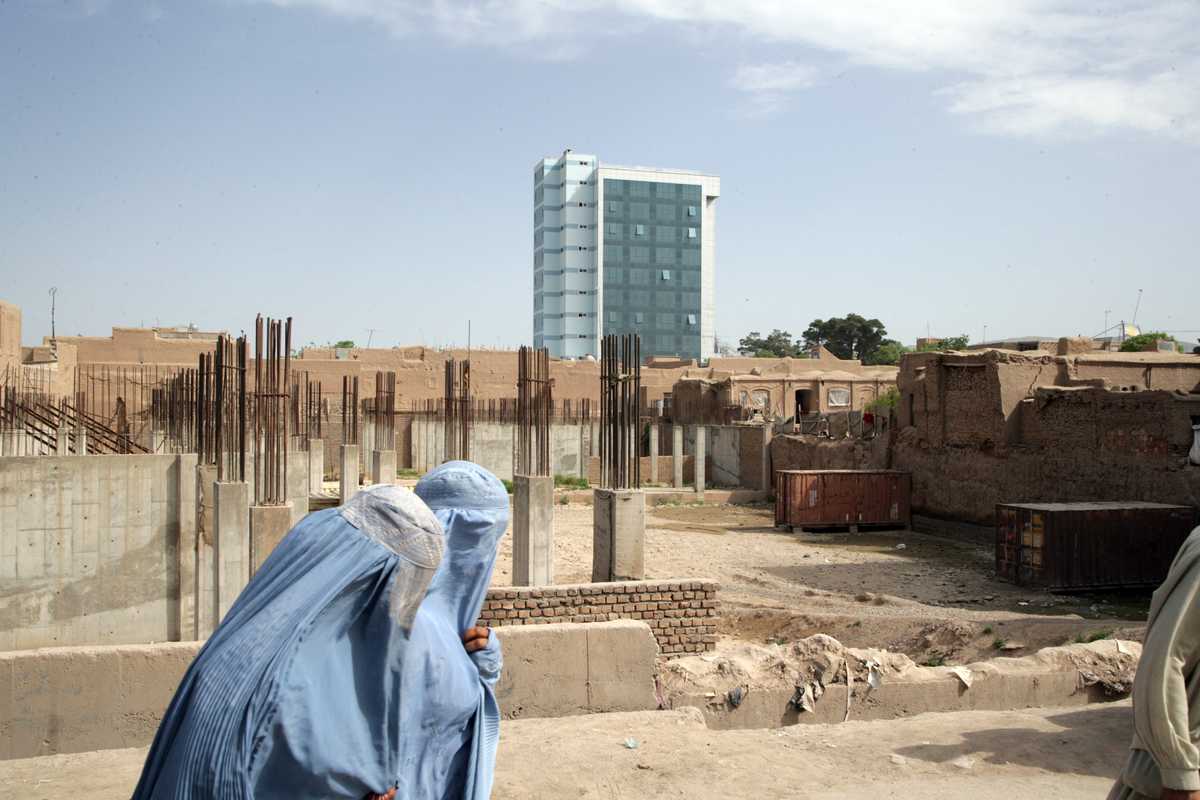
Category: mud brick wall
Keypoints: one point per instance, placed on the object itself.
(682, 614)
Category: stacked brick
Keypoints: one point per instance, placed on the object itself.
(682, 613)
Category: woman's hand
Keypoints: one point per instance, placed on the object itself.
(476, 639)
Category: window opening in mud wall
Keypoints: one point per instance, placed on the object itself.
(838, 398)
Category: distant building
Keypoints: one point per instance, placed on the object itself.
(623, 250)
(777, 388)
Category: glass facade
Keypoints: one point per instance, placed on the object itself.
(652, 265)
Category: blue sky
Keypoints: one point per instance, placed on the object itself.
(366, 164)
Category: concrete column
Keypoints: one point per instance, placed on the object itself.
(206, 566)
(349, 472)
(533, 530)
(699, 455)
(654, 452)
(158, 441)
(268, 526)
(677, 454)
(383, 466)
(186, 551)
(316, 466)
(618, 535)
(81, 442)
(296, 484)
(63, 441)
(231, 543)
(9, 443)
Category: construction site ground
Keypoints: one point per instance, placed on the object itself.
(934, 599)
(1064, 754)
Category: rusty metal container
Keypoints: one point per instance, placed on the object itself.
(829, 497)
(1089, 546)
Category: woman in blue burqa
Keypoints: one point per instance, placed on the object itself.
(341, 671)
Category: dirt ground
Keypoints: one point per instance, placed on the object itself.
(1067, 755)
(933, 599)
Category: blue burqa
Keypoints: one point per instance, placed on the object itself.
(455, 752)
(299, 692)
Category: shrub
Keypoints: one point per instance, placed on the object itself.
(570, 482)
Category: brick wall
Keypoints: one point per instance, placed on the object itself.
(682, 614)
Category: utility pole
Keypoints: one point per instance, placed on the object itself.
(53, 334)
(370, 336)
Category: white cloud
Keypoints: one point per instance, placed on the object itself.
(1021, 67)
(785, 77)
(767, 85)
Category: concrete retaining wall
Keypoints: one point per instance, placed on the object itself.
(493, 443)
(89, 547)
(75, 699)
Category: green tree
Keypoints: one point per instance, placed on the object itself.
(888, 352)
(850, 336)
(778, 344)
(887, 401)
(945, 345)
(344, 343)
(1145, 341)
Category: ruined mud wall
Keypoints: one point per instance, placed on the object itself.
(811, 452)
(1063, 445)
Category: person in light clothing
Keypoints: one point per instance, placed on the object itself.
(1164, 759)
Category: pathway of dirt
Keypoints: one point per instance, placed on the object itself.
(1064, 754)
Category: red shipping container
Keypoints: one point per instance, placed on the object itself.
(829, 497)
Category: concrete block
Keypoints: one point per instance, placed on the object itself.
(268, 526)
(618, 535)
(677, 455)
(533, 530)
(316, 465)
(75, 699)
(621, 666)
(349, 473)
(383, 466)
(231, 539)
(545, 670)
(699, 458)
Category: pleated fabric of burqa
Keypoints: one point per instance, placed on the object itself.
(298, 693)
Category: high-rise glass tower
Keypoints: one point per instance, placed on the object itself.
(623, 250)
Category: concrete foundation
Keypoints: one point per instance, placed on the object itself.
(76, 699)
(316, 465)
(533, 530)
(349, 474)
(268, 526)
(699, 458)
(618, 535)
(231, 543)
(383, 466)
(677, 455)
